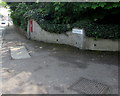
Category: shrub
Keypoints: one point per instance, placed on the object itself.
(55, 17)
(106, 31)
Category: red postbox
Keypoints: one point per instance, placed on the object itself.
(31, 25)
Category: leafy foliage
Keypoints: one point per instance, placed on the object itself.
(99, 19)
(3, 4)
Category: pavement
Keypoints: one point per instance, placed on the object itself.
(53, 68)
(19, 52)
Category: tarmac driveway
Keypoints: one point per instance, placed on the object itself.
(56, 69)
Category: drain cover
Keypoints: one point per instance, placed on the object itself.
(86, 86)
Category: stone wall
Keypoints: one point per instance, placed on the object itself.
(73, 39)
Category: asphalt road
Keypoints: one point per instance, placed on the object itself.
(1, 41)
(53, 68)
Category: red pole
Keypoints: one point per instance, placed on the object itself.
(31, 25)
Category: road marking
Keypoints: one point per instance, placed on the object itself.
(19, 52)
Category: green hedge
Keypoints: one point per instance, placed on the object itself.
(24, 12)
(105, 31)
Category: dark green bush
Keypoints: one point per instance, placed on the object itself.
(60, 17)
(106, 31)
